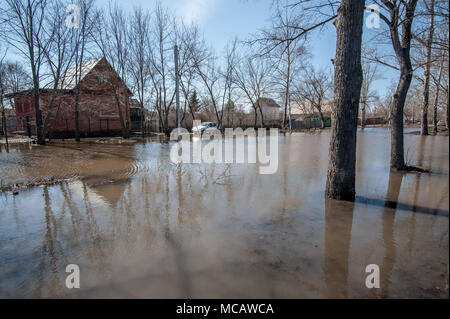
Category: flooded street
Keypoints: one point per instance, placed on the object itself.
(140, 226)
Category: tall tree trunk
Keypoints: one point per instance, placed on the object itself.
(402, 51)
(37, 110)
(4, 124)
(396, 118)
(322, 120)
(363, 111)
(448, 102)
(347, 89)
(77, 116)
(35, 73)
(286, 95)
(426, 87)
(436, 98)
(121, 119)
(262, 116)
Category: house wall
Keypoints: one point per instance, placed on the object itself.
(98, 113)
(271, 113)
(98, 106)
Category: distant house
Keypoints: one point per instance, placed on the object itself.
(100, 89)
(305, 116)
(299, 108)
(270, 109)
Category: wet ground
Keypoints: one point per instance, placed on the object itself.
(139, 226)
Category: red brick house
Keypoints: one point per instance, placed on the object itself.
(100, 90)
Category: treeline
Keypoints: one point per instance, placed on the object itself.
(53, 35)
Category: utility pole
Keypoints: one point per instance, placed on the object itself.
(177, 90)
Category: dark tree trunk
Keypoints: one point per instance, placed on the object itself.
(396, 118)
(448, 103)
(121, 119)
(402, 51)
(77, 116)
(347, 89)
(322, 120)
(40, 137)
(436, 98)
(262, 116)
(4, 125)
(363, 114)
(426, 86)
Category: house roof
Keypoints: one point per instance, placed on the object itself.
(69, 81)
(305, 107)
(264, 101)
(134, 103)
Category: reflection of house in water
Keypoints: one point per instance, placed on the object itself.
(106, 194)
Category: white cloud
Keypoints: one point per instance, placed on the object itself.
(195, 10)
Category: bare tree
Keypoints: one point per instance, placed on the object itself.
(161, 59)
(288, 55)
(209, 74)
(399, 21)
(216, 82)
(315, 89)
(58, 53)
(347, 90)
(347, 84)
(190, 42)
(441, 62)
(227, 74)
(426, 88)
(112, 37)
(252, 78)
(367, 96)
(24, 24)
(13, 78)
(139, 51)
(3, 90)
(81, 36)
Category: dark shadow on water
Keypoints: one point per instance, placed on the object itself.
(401, 206)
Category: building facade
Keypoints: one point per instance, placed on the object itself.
(270, 109)
(101, 94)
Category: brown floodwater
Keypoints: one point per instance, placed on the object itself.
(139, 226)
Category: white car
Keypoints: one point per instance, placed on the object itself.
(204, 126)
(441, 123)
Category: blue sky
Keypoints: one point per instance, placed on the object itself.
(222, 20)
